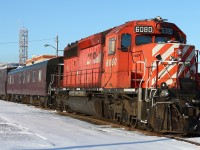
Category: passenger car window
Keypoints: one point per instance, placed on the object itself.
(125, 41)
(28, 77)
(2, 75)
(10, 80)
(23, 78)
(112, 43)
(40, 75)
(140, 40)
(33, 77)
(20, 77)
(13, 80)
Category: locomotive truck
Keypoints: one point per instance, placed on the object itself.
(141, 73)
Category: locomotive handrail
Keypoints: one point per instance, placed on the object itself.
(159, 103)
(152, 95)
(144, 72)
(196, 65)
(50, 84)
(147, 85)
(81, 77)
(83, 70)
(171, 63)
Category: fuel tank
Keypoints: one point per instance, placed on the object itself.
(86, 105)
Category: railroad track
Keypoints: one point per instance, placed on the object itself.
(182, 139)
(96, 121)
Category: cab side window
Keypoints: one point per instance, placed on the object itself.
(112, 46)
(125, 41)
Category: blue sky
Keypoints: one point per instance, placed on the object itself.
(72, 20)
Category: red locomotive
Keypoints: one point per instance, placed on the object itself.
(141, 73)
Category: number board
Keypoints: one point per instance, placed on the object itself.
(144, 29)
(167, 31)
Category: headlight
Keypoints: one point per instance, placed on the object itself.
(164, 93)
(187, 63)
(179, 59)
(163, 86)
(179, 52)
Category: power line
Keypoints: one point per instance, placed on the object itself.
(28, 41)
(8, 42)
(41, 40)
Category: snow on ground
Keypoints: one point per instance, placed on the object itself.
(26, 127)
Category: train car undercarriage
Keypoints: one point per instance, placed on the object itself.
(161, 110)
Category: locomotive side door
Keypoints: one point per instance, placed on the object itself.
(115, 64)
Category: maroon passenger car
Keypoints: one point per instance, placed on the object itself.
(3, 81)
(32, 82)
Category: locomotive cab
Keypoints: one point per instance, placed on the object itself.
(133, 49)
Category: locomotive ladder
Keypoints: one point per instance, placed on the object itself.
(136, 79)
(50, 84)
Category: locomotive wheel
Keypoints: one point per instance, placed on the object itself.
(42, 104)
(134, 122)
(54, 105)
(61, 105)
(68, 109)
(125, 116)
(149, 128)
(118, 119)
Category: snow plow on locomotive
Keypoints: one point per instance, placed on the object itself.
(141, 73)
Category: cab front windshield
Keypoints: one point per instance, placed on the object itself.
(147, 39)
(162, 39)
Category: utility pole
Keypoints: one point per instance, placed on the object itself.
(57, 46)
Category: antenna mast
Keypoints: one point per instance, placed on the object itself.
(23, 46)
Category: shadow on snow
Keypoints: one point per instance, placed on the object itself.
(102, 145)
